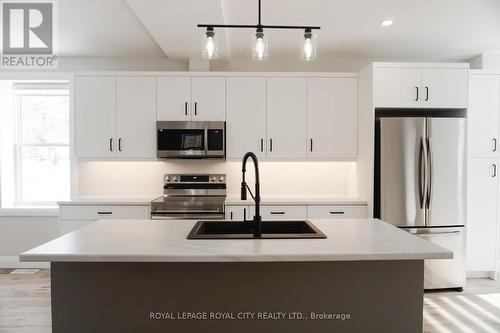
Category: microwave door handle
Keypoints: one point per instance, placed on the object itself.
(206, 140)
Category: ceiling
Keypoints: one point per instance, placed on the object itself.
(424, 29)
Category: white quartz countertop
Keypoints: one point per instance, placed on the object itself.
(109, 200)
(297, 200)
(145, 200)
(165, 241)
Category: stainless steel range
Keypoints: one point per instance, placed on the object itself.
(191, 197)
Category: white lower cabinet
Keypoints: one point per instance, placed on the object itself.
(283, 212)
(238, 213)
(296, 212)
(336, 211)
(73, 217)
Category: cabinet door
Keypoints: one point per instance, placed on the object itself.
(173, 98)
(246, 116)
(484, 106)
(208, 97)
(136, 117)
(397, 87)
(332, 118)
(95, 112)
(238, 213)
(481, 214)
(444, 88)
(286, 117)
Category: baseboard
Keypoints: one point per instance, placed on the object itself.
(479, 274)
(13, 262)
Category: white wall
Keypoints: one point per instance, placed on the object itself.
(21, 233)
(277, 178)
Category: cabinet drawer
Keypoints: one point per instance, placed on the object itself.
(103, 212)
(283, 212)
(336, 211)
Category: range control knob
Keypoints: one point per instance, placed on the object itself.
(221, 179)
(176, 178)
(213, 179)
(168, 178)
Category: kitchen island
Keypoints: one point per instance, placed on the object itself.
(143, 275)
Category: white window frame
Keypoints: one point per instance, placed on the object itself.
(34, 89)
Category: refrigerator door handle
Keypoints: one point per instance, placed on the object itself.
(422, 174)
(435, 233)
(430, 173)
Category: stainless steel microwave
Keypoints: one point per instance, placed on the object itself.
(191, 139)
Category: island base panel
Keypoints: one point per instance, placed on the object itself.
(379, 296)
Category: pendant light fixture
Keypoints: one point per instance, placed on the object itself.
(210, 44)
(260, 47)
(308, 50)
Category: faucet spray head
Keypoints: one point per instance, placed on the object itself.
(243, 191)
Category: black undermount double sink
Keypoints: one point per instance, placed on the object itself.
(255, 229)
(244, 230)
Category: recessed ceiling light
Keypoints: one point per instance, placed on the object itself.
(386, 23)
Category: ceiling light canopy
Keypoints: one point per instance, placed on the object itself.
(386, 23)
(260, 47)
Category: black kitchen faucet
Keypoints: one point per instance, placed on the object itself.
(257, 219)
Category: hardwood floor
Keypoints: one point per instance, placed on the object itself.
(25, 306)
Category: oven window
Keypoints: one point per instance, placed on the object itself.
(181, 139)
(215, 139)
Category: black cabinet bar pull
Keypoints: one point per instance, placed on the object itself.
(494, 170)
(104, 213)
(244, 214)
(270, 144)
(195, 108)
(120, 144)
(426, 93)
(336, 212)
(110, 144)
(494, 144)
(416, 99)
(186, 108)
(277, 213)
(261, 145)
(311, 144)
(231, 215)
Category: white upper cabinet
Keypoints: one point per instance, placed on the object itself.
(208, 98)
(397, 87)
(173, 98)
(445, 87)
(332, 118)
(185, 98)
(136, 117)
(286, 117)
(246, 116)
(484, 106)
(95, 117)
(420, 87)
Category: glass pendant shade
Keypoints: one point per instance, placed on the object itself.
(260, 48)
(308, 47)
(209, 47)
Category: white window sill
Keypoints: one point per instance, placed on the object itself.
(30, 211)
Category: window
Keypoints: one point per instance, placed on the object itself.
(41, 144)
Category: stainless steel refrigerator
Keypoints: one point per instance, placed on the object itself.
(420, 180)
